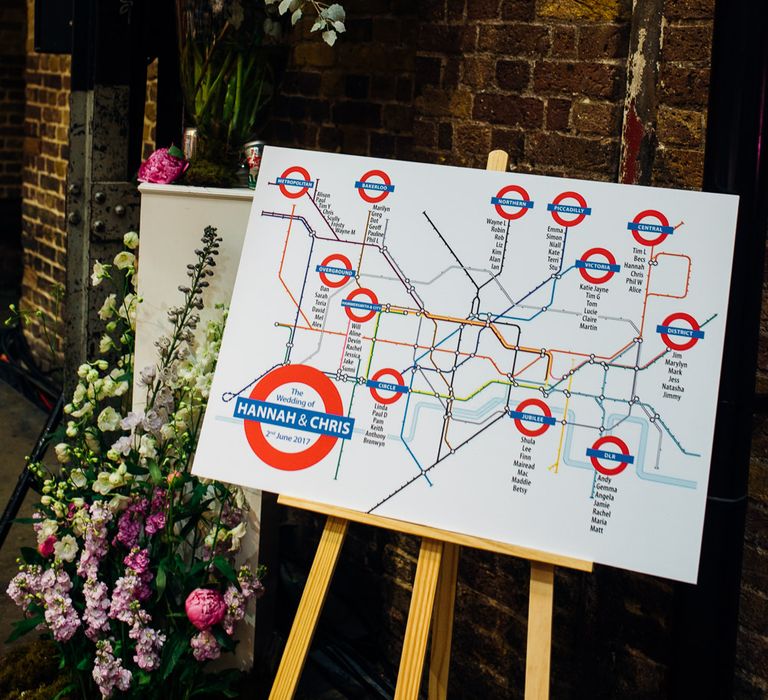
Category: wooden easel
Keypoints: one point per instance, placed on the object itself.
(432, 601)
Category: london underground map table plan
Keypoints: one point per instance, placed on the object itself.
(528, 359)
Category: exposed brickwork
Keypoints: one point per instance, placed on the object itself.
(683, 93)
(12, 50)
(150, 113)
(46, 126)
(358, 97)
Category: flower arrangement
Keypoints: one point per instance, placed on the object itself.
(228, 58)
(135, 573)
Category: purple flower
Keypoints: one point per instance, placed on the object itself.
(249, 584)
(122, 445)
(158, 500)
(164, 399)
(204, 646)
(122, 597)
(149, 643)
(25, 585)
(155, 523)
(60, 615)
(95, 545)
(235, 602)
(147, 375)
(96, 611)
(128, 529)
(131, 421)
(154, 420)
(138, 560)
(108, 672)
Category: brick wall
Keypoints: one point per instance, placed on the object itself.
(445, 81)
(46, 125)
(12, 50)
(150, 113)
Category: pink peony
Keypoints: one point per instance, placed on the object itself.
(46, 546)
(164, 166)
(205, 608)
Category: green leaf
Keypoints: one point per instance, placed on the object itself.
(84, 664)
(31, 556)
(225, 567)
(160, 579)
(154, 472)
(21, 627)
(176, 653)
(135, 469)
(144, 678)
(66, 690)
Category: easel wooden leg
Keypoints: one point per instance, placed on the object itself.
(310, 607)
(419, 617)
(442, 623)
(539, 631)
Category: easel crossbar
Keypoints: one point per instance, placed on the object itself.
(437, 534)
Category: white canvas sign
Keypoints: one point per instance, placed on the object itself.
(529, 359)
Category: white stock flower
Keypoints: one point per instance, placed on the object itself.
(123, 260)
(85, 410)
(119, 503)
(99, 273)
(46, 529)
(109, 419)
(131, 240)
(108, 308)
(103, 483)
(62, 452)
(237, 534)
(147, 447)
(92, 441)
(105, 344)
(77, 477)
(79, 394)
(66, 548)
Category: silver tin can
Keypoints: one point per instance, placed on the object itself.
(253, 151)
(190, 142)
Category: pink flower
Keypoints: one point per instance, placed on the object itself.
(204, 646)
(108, 671)
(205, 608)
(46, 546)
(138, 560)
(164, 166)
(155, 523)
